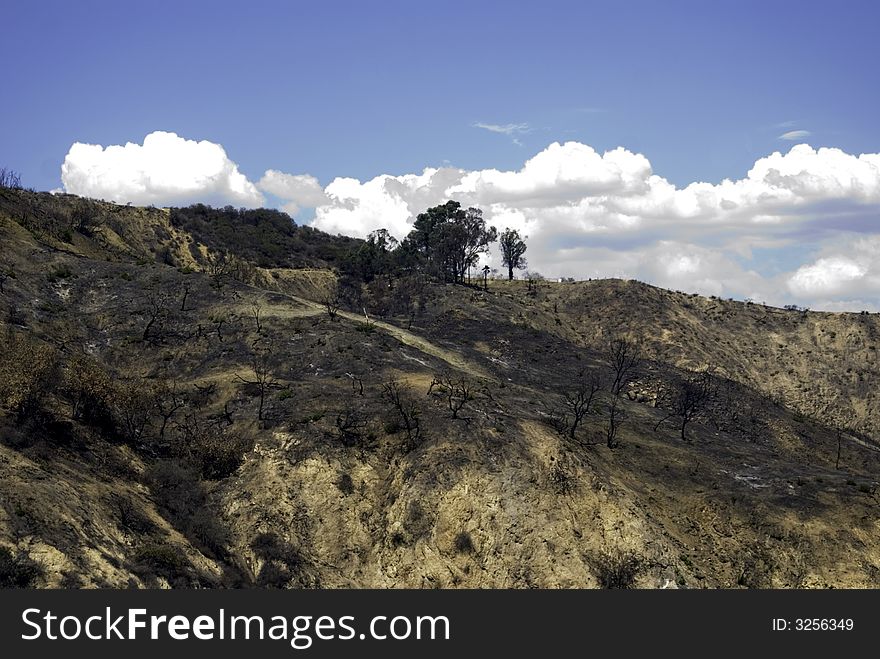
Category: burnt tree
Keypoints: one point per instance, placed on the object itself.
(263, 373)
(455, 390)
(692, 400)
(578, 402)
(399, 396)
(623, 358)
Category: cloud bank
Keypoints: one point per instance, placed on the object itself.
(795, 229)
(801, 226)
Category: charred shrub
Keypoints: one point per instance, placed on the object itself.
(181, 496)
(159, 560)
(283, 565)
(27, 375)
(212, 448)
(463, 543)
(616, 570)
(131, 517)
(418, 522)
(345, 484)
(17, 570)
(561, 480)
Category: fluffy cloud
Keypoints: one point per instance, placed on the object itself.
(390, 202)
(590, 214)
(849, 270)
(828, 275)
(560, 173)
(166, 170)
(298, 190)
(805, 174)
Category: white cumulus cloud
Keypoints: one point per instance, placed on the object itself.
(561, 172)
(298, 190)
(165, 170)
(389, 202)
(849, 269)
(828, 275)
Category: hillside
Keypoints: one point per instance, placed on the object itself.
(180, 407)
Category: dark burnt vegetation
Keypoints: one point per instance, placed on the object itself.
(10, 179)
(454, 389)
(616, 569)
(46, 390)
(596, 390)
(18, 570)
(404, 412)
(264, 237)
(578, 403)
(350, 427)
(561, 476)
(66, 219)
(283, 565)
(262, 372)
(692, 401)
(69, 404)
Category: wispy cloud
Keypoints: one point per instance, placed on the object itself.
(785, 124)
(505, 129)
(794, 135)
(511, 130)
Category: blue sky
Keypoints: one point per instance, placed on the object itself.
(364, 89)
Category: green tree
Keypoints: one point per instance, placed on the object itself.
(512, 250)
(372, 258)
(476, 240)
(450, 240)
(425, 235)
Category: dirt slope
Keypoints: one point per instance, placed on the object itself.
(494, 498)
